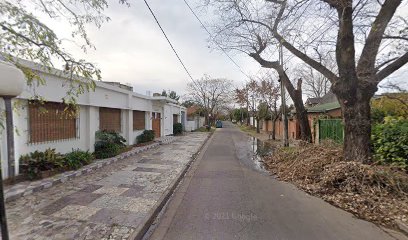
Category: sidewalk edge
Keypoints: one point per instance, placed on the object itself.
(141, 230)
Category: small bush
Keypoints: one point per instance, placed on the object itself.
(390, 142)
(77, 158)
(177, 128)
(108, 144)
(110, 136)
(106, 150)
(34, 163)
(146, 136)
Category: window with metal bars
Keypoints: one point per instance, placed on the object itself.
(51, 121)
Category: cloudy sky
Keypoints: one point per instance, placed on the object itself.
(131, 48)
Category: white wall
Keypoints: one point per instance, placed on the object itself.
(195, 124)
(105, 95)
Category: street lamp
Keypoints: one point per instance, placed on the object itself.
(11, 85)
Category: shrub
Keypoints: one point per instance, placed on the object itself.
(77, 158)
(110, 136)
(177, 128)
(390, 142)
(108, 144)
(33, 163)
(146, 136)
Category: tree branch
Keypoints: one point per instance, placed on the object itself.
(366, 64)
(388, 70)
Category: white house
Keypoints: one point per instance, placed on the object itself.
(111, 106)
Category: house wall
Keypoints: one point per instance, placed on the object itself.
(104, 95)
(293, 125)
(194, 124)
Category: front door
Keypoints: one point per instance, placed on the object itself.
(156, 124)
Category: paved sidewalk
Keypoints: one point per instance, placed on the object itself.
(106, 204)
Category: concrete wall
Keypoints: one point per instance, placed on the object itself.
(105, 95)
(195, 124)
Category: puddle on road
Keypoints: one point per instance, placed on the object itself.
(259, 149)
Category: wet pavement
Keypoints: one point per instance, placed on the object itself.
(108, 203)
(228, 195)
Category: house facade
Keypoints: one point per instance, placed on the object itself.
(110, 107)
(324, 107)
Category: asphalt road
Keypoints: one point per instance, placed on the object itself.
(225, 197)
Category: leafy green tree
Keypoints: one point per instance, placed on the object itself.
(389, 104)
(170, 94)
(239, 114)
(24, 36)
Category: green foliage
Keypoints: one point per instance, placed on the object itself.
(146, 136)
(108, 144)
(106, 150)
(239, 113)
(77, 158)
(188, 103)
(110, 136)
(390, 142)
(177, 128)
(24, 34)
(170, 94)
(263, 111)
(33, 163)
(389, 104)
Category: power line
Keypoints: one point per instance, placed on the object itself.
(209, 33)
(171, 45)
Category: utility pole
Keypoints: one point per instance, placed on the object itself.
(283, 93)
(253, 110)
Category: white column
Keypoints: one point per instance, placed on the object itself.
(92, 125)
(129, 127)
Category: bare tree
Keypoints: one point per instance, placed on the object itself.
(315, 84)
(269, 92)
(370, 44)
(242, 98)
(211, 93)
(237, 31)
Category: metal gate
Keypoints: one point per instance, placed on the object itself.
(331, 129)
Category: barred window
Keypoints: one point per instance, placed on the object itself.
(139, 120)
(110, 119)
(51, 121)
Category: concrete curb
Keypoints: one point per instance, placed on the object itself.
(20, 190)
(403, 227)
(147, 221)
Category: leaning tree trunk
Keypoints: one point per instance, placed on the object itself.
(295, 95)
(357, 123)
(301, 113)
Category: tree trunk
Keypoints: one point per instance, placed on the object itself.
(357, 123)
(257, 126)
(273, 127)
(301, 113)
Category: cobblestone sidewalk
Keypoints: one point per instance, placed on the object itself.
(106, 204)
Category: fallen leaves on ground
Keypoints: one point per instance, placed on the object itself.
(376, 193)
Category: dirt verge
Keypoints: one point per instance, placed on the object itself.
(375, 193)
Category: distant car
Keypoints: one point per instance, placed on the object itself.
(218, 124)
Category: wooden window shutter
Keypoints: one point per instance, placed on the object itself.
(50, 122)
(110, 119)
(139, 120)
